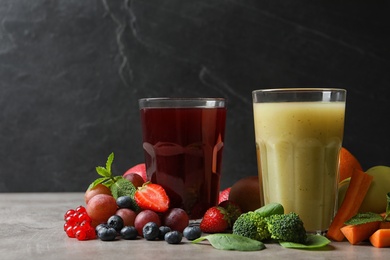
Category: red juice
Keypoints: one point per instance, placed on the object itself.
(183, 153)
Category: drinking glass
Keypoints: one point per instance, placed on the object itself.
(299, 134)
(183, 140)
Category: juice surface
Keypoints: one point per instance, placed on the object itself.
(183, 153)
(298, 145)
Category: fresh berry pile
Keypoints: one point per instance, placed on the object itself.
(128, 207)
(78, 224)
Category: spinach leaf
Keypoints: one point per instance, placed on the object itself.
(270, 209)
(312, 241)
(232, 242)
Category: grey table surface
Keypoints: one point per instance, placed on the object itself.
(32, 228)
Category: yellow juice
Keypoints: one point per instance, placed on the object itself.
(298, 144)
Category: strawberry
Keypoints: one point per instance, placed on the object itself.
(224, 195)
(233, 211)
(152, 196)
(215, 220)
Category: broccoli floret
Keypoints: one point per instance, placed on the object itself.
(252, 225)
(286, 227)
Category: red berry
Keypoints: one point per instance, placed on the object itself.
(152, 196)
(232, 209)
(224, 195)
(91, 233)
(81, 234)
(80, 209)
(215, 220)
(83, 217)
(69, 232)
(69, 213)
(78, 224)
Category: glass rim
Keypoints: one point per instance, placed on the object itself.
(299, 95)
(275, 90)
(182, 102)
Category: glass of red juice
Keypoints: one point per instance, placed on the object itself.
(183, 140)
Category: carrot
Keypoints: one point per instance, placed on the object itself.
(358, 233)
(381, 238)
(358, 187)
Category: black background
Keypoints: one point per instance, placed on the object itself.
(71, 73)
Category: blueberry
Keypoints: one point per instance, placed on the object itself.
(162, 231)
(192, 232)
(150, 231)
(115, 222)
(100, 226)
(124, 202)
(173, 237)
(129, 233)
(107, 234)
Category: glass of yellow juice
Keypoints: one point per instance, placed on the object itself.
(299, 133)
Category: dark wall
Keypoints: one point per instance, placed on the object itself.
(71, 73)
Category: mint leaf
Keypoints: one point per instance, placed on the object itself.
(98, 181)
(103, 171)
(270, 209)
(362, 218)
(122, 187)
(312, 242)
(232, 242)
(110, 159)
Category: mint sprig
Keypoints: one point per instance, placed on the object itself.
(118, 185)
(107, 178)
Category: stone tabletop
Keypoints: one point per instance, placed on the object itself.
(32, 228)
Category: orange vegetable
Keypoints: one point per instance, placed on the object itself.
(381, 238)
(358, 187)
(358, 233)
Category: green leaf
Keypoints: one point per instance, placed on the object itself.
(110, 159)
(98, 181)
(123, 187)
(232, 242)
(270, 209)
(103, 171)
(362, 218)
(312, 242)
(387, 206)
